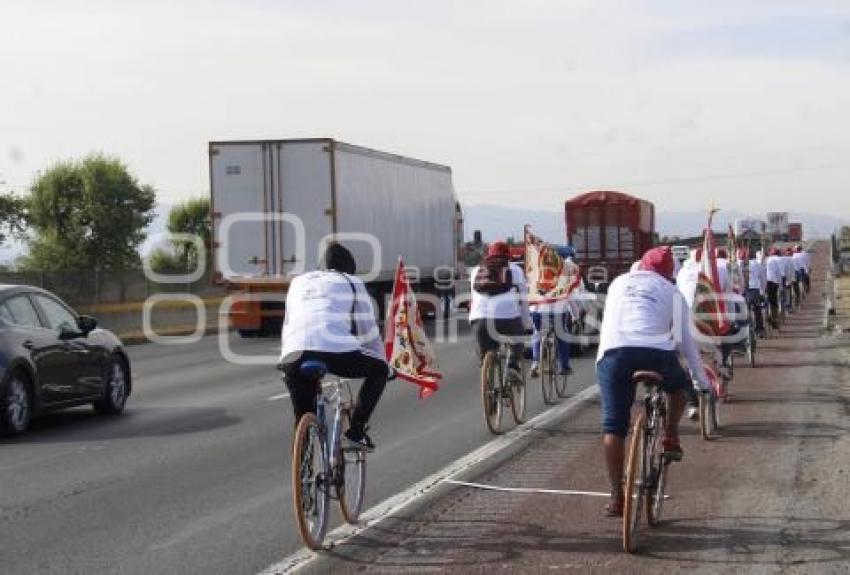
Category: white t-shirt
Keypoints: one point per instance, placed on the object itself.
(790, 268)
(511, 304)
(801, 261)
(319, 316)
(757, 276)
(775, 269)
(687, 280)
(723, 274)
(643, 309)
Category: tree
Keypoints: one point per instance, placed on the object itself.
(12, 216)
(190, 217)
(88, 214)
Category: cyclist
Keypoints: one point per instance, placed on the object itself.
(756, 291)
(555, 315)
(774, 273)
(790, 274)
(499, 307)
(796, 278)
(804, 265)
(646, 321)
(686, 282)
(329, 318)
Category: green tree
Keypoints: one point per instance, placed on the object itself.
(12, 216)
(190, 217)
(88, 214)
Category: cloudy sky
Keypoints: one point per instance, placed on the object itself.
(743, 103)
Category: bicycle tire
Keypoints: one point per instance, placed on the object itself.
(634, 478)
(751, 349)
(547, 370)
(352, 467)
(309, 434)
(715, 413)
(490, 393)
(705, 416)
(658, 471)
(560, 378)
(517, 396)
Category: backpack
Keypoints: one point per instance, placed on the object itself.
(493, 276)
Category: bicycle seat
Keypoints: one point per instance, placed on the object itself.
(313, 368)
(647, 377)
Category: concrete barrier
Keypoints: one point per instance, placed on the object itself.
(166, 317)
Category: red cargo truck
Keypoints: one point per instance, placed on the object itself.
(795, 232)
(609, 231)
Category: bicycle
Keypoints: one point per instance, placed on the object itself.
(552, 380)
(709, 406)
(321, 468)
(646, 468)
(499, 389)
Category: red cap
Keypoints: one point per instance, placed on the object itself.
(499, 249)
(659, 260)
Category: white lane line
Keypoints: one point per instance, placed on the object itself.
(486, 487)
(418, 490)
(278, 396)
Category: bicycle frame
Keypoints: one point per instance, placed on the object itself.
(332, 403)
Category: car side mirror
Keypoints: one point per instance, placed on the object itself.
(86, 323)
(66, 332)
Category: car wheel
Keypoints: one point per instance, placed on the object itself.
(16, 414)
(115, 392)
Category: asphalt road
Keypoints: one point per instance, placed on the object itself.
(194, 477)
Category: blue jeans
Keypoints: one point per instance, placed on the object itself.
(616, 390)
(542, 321)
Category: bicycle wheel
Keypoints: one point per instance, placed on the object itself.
(309, 482)
(715, 412)
(658, 474)
(560, 378)
(706, 416)
(517, 395)
(490, 392)
(547, 370)
(751, 348)
(634, 484)
(351, 482)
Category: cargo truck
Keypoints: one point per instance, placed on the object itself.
(609, 231)
(795, 232)
(275, 203)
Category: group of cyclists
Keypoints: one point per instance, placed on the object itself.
(648, 324)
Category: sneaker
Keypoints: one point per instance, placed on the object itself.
(693, 413)
(353, 440)
(672, 449)
(535, 369)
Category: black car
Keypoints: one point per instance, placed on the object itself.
(52, 358)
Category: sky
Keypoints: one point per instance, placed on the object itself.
(683, 103)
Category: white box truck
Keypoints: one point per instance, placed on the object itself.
(274, 203)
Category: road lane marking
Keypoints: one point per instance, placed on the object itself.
(278, 396)
(398, 502)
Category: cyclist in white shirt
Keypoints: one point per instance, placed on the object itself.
(790, 278)
(329, 318)
(774, 274)
(757, 290)
(804, 266)
(499, 307)
(646, 322)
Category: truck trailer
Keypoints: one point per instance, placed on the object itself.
(276, 203)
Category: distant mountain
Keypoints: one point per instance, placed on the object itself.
(501, 222)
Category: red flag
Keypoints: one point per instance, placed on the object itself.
(408, 349)
(550, 277)
(709, 306)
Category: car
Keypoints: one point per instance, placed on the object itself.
(53, 358)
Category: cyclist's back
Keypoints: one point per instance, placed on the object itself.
(329, 318)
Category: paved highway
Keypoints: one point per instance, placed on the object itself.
(194, 477)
